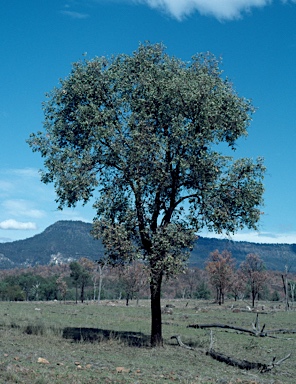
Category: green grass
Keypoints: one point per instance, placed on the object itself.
(111, 335)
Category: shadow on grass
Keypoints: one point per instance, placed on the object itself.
(91, 335)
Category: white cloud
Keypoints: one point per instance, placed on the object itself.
(24, 198)
(13, 224)
(75, 15)
(221, 9)
(24, 172)
(20, 207)
(256, 237)
(5, 186)
(21, 191)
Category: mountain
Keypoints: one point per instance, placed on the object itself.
(61, 242)
(70, 240)
(275, 256)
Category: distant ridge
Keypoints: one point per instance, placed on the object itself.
(275, 256)
(61, 242)
(70, 240)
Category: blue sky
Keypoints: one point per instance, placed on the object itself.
(40, 39)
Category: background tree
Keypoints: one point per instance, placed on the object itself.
(11, 292)
(87, 268)
(80, 276)
(192, 283)
(133, 278)
(35, 291)
(220, 267)
(237, 285)
(98, 275)
(253, 270)
(292, 286)
(75, 273)
(27, 281)
(62, 287)
(141, 132)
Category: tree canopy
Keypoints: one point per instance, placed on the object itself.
(220, 267)
(253, 271)
(141, 133)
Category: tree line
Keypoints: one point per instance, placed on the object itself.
(85, 279)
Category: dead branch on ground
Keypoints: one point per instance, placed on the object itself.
(256, 331)
(242, 364)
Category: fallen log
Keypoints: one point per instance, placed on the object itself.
(261, 333)
(242, 364)
(290, 331)
(256, 331)
(239, 329)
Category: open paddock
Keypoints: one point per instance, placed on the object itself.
(56, 342)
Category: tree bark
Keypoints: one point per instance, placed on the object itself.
(76, 292)
(253, 297)
(156, 327)
(82, 293)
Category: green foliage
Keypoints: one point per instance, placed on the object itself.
(142, 132)
(48, 289)
(80, 277)
(202, 292)
(76, 272)
(275, 296)
(11, 292)
(24, 285)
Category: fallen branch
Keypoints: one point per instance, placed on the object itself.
(256, 331)
(261, 333)
(242, 364)
(217, 325)
(181, 344)
(291, 331)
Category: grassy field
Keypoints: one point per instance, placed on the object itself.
(109, 343)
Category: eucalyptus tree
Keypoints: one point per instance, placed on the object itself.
(140, 133)
(253, 272)
(220, 267)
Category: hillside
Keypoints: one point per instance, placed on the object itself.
(275, 256)
(60, 242)
(68, 240)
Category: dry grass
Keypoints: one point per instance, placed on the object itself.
(108, 343)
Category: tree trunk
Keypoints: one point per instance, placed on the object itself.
(156, 328)
(100, 282)
(82, 293)
(253, 296)
(286, 288)
(76, 292)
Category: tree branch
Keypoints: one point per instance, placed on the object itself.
(242, 364)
